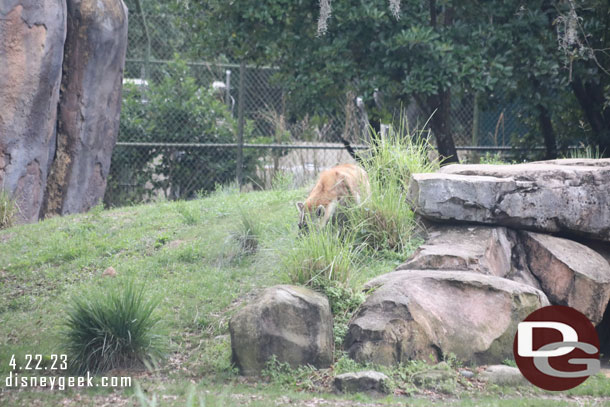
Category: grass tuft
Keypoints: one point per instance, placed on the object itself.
(248, 233)
(8, 210)
(385, 222)
(322, 254)
(112, 328)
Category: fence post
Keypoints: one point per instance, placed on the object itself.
(240, 129)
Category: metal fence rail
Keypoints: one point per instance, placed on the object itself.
(188, 125)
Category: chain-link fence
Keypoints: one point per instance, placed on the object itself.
(188, 126)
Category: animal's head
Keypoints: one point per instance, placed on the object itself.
(309, 214)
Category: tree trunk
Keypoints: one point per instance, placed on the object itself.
(546, 126)
(591, 101)
(441, 126)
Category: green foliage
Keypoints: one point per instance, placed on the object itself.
(586, 152)
(8, 210)
(323, 254)
(248, 233)
(284, 375)
(112, 327)
(344, 301)
(384, 222)
(176, 109)
(494, 159)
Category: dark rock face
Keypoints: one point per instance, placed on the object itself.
(89, 110)
(417, 313)
(292, 323)
(31, 53)
(547, 197)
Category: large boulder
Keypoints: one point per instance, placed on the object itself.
(88, 115)
(292, 323)
(574, 199)
(482, 249)
(415, 314)
(31, 52)
(570, 273)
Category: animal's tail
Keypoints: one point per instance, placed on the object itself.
(350, 150)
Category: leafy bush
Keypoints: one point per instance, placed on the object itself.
(384, 222)
(321, 255)
(175, 109)
(8, 210)
(112, 328)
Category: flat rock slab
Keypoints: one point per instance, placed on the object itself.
(503, 375)
(417, 313)
(292, 323)
(570, 273)
(546, 197)
(367, 381)
(483, 249)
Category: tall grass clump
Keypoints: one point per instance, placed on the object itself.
(322, 254)
(385, 222)
(8, 210)
(112, 328)
(248, 233)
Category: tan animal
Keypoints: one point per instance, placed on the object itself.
(335, 186)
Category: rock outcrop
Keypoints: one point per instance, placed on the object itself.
(89, 110)
(292, 323)
(31, 54)
(60, 96)
(572, 199)
(569, 273)
(414, 314)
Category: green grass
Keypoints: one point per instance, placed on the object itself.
(112, 327)
(8, 210)
(187, 257)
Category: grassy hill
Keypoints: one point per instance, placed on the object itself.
(188, 256)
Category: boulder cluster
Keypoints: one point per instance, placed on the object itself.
(502, 241)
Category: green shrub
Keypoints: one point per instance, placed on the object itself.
(176, 108)
(112, 328)
(8, 210)
(322, 254)
(385, 222)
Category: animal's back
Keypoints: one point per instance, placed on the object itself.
(342, 181)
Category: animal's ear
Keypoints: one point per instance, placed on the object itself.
(300, 206)
(320, 211)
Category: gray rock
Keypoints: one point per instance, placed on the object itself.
(466, 374)
(482, 249)
(543, 197)
(570, 273)
(89, 110)
(367, 381)
(417, 313)
(503, 375)
(31, 53)
(293, 323)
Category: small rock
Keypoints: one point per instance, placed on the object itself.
(109, 272)
(367, 381)
(437, 374)
(502, 375)
(467, 374)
